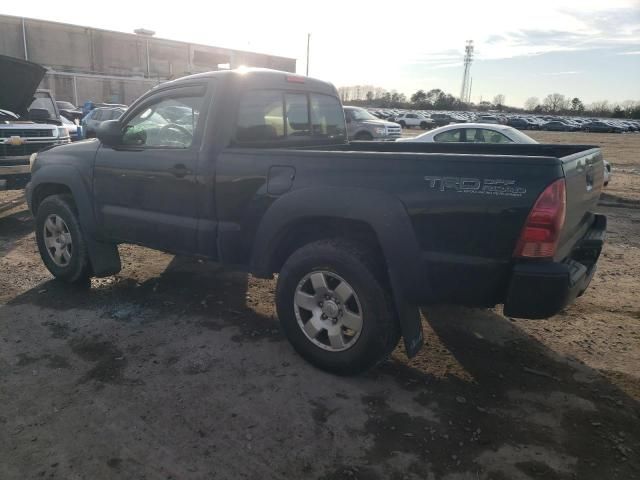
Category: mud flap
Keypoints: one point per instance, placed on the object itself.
(104, 257)
(410, 323)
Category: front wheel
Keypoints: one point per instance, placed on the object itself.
(364, 136)
(61, 241)
(335, 308)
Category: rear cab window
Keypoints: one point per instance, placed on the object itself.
(281, 117)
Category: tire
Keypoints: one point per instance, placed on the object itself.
(57, 218)
(423, 125)
(339, 263)
(363, 136)
(402, 124)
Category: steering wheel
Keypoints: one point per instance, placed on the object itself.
(175, 127)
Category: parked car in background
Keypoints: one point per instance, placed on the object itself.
(361, 125)
(95, 117)
(69, 110)
(29, 120)
(492, 119)
(441, 119)
(558, 126)
(520, 123)
(408, 120)
(600, 127)
(483, 133)
(75, 130)
(472, 133)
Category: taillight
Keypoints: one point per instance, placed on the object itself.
(541, 232)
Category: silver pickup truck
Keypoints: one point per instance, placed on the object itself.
(361, 125)
(29, 120)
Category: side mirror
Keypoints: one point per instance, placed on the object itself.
(110, 132)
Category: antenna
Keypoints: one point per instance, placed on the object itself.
(308, 42)
(465, 91)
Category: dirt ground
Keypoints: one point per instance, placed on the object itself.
(176, 369)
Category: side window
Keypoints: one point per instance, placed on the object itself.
(491, 136)
(411, 115)
(448, 136)
(297, 114)
(260, 116)
(326, 116)
(169, 122)
(475, 135)
(97, 115)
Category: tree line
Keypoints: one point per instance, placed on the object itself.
(437, 99)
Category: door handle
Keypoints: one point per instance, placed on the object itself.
(179, 171)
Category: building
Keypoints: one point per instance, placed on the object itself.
(86, 63)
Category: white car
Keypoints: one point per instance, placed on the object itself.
(472, 132)
(482, 133)
(409, 119)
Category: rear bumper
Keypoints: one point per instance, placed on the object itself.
(540, 290)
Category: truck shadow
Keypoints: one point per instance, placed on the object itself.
(15, 226)
(512, 404)
(202, 291)
(506, 405)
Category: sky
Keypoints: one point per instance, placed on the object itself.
(584, 48)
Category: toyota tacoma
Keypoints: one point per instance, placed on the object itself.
(253, 168)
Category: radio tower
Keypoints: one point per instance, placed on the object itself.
(465, 91)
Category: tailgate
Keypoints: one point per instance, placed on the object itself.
(584, 176)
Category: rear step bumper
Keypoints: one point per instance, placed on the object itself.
(540, 290)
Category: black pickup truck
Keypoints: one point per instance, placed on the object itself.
(253, 168)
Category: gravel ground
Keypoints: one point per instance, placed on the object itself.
(176, 369)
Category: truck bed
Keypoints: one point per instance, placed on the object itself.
(461, 232)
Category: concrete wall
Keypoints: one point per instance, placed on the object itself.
(112, 66)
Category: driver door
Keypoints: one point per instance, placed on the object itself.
(146, 188)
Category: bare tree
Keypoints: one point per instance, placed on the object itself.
(600, 108)
(498, 100)
(531, 103)
(554, 102)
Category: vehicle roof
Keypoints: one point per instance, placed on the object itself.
(258, 78)
(493, 126)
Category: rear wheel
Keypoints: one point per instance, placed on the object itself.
(335, 308)
(402, 124)
(61, 241)
(423, 125)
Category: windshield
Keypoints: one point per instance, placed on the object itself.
(361, 114)
(43, 101)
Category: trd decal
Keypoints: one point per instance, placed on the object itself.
(486, 186)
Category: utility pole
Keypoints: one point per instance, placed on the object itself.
(468, 58)
(308, 42)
